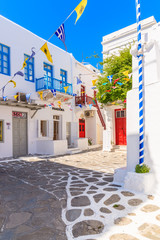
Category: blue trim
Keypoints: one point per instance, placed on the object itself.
(63, 75)
(7, 55)
(53, 83)
(48, 75)
(27, 74)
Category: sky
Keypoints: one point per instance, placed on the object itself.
(83, 40)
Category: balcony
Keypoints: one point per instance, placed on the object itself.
(46, 83)
(84, 100)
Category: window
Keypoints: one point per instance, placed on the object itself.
(1, 131)
(63, 74)
(4, 59)
(121, 114)
(48, 75)
(29, 69)
(44, 128)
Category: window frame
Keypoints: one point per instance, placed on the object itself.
(1, 141)
(27, 67)
(48, 70)
(64, 77)
(2, 61)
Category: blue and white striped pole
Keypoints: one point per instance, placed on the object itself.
(140, 75)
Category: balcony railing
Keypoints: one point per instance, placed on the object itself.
(84, 100)
(53, 83)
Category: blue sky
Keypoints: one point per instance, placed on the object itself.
(100, 18)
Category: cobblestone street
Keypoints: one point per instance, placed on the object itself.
(73, 197)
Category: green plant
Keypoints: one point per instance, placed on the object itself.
(89, 141)
(142, 169)
(110, 92)
(115, 205)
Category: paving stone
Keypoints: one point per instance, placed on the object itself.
(105, 210)
(98, 197)
(135, 202)
(23, 229)
(113, 199)
(108, 179)
(122, 236)
(131, 214)
(122, 221)
(45, 233)
(102, 184)
(87, 228)
(158, 217)
(91, 179)
(76, 193)
(80, 201)
(93, 188)
(118, 207)
(73, 214)
(127, 194)
(16, 219)
(150, 231)
(2, 219)
(88, 212)
(115, 185)
(150, 208)
(91, 192)
(110, 189)
(151, 197)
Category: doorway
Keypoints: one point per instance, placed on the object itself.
(20, 145)
(120, 121)
(81, 128)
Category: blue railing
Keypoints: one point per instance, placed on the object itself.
(53, 83)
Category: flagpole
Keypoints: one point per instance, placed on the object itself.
(62, 23)
(140, 76)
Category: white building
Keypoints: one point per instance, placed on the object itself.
(115, 116)
(148, 183)
(41, 126)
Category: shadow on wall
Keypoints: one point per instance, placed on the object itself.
(147, 182)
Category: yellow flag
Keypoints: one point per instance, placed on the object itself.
(126, 73)
(59, 104)
(127, 79)
(94, 82)
(13, 83)
(24, 63)
(41, 95)
(80, 8)
(45, 49)
(66, 88)
(15, 96)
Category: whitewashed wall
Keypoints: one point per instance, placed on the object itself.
(20, 42)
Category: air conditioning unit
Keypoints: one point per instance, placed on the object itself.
(21, 97)
(89, 114)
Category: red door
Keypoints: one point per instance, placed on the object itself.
(81, 128)
(120, 119)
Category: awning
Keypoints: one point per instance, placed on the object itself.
(13, 103)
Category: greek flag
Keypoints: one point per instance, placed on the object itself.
(60, 33)
(110, 78)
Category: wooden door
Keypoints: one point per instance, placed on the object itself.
(19, 134)
(83, 90)
(120, 121)
(81, 128)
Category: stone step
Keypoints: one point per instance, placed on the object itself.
(118, 148)
(74, 150)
